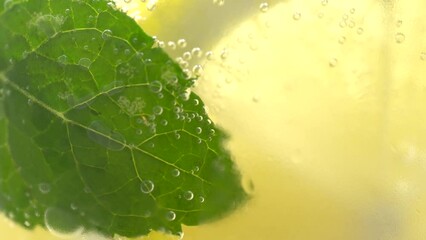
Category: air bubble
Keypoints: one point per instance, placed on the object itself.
(219, 2)
(156, 86)
(332, 62)
(171, 45)
(164, 122)
(196, 102)
(151, 6)
(185, 95)
(177, 109)
(188, 195)
(157, 110)
(423, 56)
(187, 56)
(161, 44)
(147, 186)
(181, 43)
(197, 70)
(399, 37)
(198, 130)
(63, 59)
(201, 199)
(61, 223)
(255, 99)
(184, 64)
(209, 55)
(197, 52)
(170, 216)
(297, 16)
(139, 132)
(264, 7)
(73, 206)
(106, 34)
(44, 188)
(224, 54)
(85, 62)
(175, 172)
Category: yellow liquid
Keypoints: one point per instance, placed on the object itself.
(324, 103)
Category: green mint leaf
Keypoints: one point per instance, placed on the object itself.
(98, 128)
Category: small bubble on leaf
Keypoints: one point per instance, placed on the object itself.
(175, 172)
(157, 110)
(85, 62)
(62, 223)
(170, 216)
(164, 122)
(44, 188)
(198, 130)
(106, 34)
(188, 195)
(147, 186)
(63, 59)
(156, 86)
